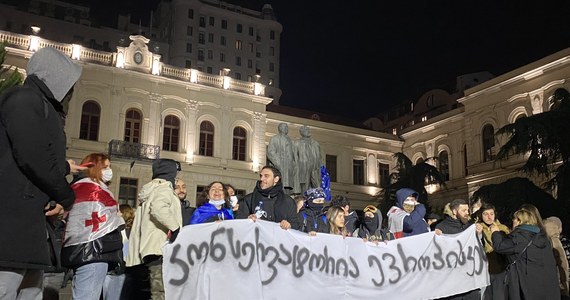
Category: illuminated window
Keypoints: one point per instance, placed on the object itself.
(488, 135)
(239, 143)
(358, 171)
(331, 166)
(128, 191)
(443, 161)
(171, 133)
(384, 174)
(206, 147)
(89, 127)
(133, 121)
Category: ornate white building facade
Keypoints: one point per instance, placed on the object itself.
(129, 104)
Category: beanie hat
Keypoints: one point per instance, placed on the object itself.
(314, 193)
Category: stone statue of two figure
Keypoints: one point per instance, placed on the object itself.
(299, 161)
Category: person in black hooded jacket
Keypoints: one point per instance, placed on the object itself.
(268, 201)
(312, 214)
(33, 167)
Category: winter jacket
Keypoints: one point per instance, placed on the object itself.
(533, 275)
(275, 202)
(32, 162)
(207, 213)
(313, 220)
(496, 261)
(401, 223)
(158, 212)
(450, 225)
(372, 230)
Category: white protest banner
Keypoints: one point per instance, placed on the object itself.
(242, 259)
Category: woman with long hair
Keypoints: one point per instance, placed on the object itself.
(93, 242)
(335, 219)
(531, 271)
(213, 205)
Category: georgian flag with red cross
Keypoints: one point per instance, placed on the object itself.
(93, 215)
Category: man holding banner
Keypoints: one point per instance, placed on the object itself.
(457, 223)
(268, 201)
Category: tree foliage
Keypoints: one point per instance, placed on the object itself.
(543, 137)
(8, 77)
(508, 196)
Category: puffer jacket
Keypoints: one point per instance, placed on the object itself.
(158, 212)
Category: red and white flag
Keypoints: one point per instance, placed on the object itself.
(93, 215)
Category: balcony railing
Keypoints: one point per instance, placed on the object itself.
(109, 59)
(134, 151)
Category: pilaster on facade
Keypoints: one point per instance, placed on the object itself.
(156, 122)
(191, 128)
(258, 140)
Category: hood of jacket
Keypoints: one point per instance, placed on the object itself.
(373, 223)
(56, 70)
(149, 188)
(402, 194)
(166, 169)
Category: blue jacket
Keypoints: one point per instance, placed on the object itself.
(209, 213)
(414, 222)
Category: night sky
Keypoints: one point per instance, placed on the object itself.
(358, 60)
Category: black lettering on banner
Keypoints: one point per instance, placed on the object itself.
(342, 263)
(438, 262)
(177, 261)
(318, 261)
(217, 247)
(199, 251)
(454, 257)
(287, 254)
(244, 249)
(373, 259)
(356, 272)
(407, 259)
(271, 264)
(234, 248)
(477, 268)
(300, 258)
(392, 266)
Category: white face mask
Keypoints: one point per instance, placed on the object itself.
(106, 175)
(217, 202)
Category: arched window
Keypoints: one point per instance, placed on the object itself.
(171, 133)
(206, 147)
(90, 115)
(240, 141)
(133, 121)
(443, 160)
(419, 161)
(488, 142)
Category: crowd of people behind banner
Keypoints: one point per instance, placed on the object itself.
(112, 251)
(529, 261)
